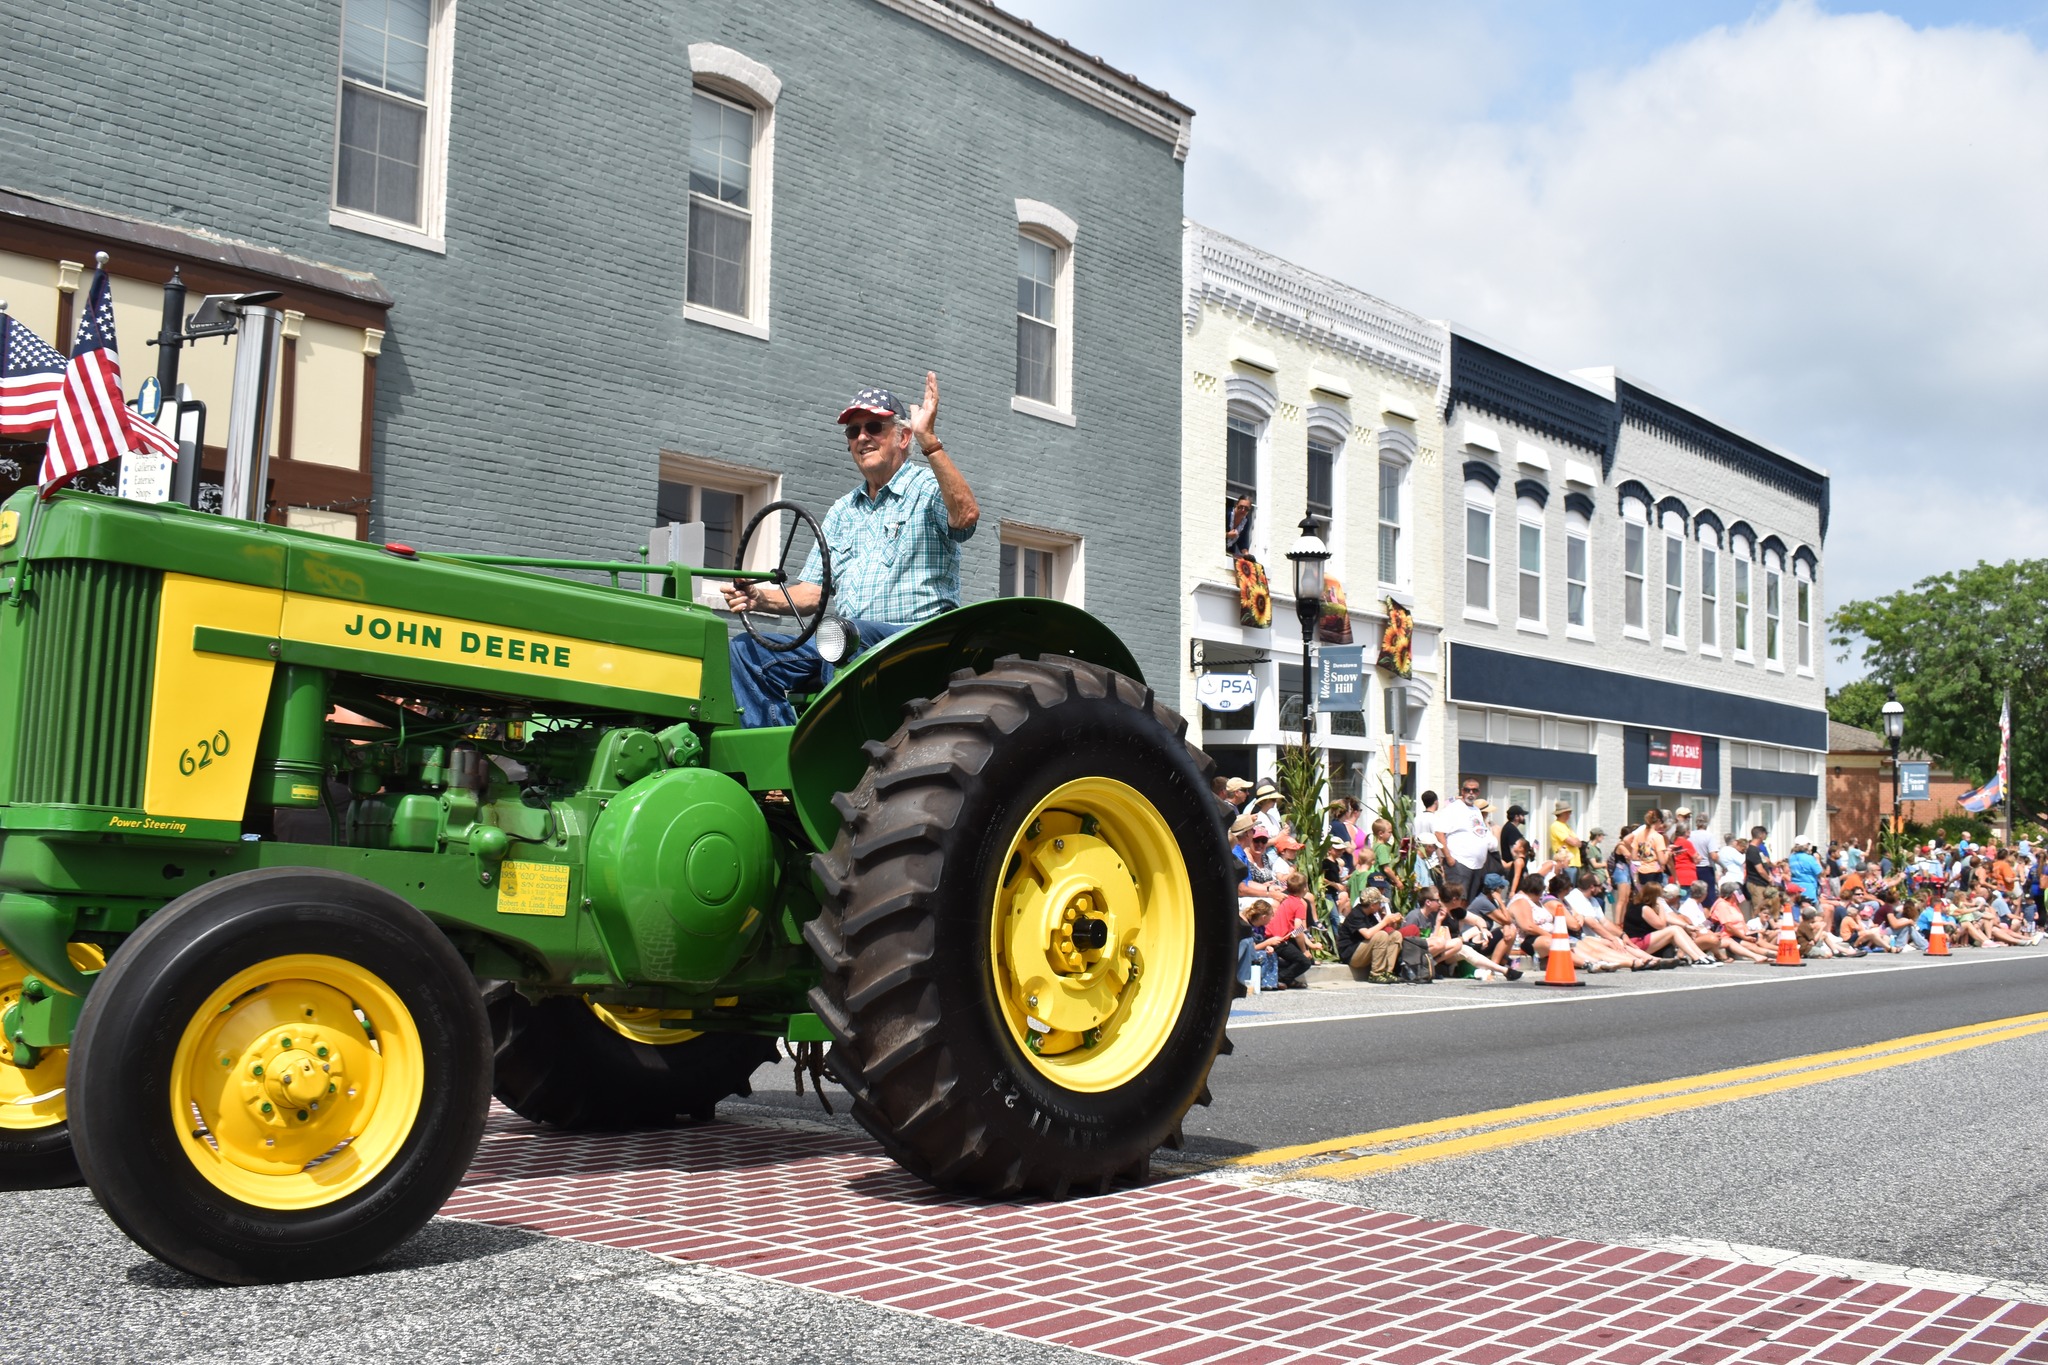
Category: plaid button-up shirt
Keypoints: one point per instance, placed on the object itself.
(895, 557)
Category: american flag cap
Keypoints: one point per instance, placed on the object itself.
(874, 403)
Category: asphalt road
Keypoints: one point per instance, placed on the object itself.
(1937, 1165)
(1467, 1047)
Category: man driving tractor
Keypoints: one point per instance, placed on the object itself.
(895, 551)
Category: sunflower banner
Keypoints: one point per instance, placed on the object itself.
(1254, 598)
(1333, 626)
(1397, 641)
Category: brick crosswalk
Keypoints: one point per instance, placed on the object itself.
(1192, 1270)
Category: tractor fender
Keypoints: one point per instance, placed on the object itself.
(866, 699)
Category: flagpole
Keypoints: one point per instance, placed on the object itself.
(2005, 765)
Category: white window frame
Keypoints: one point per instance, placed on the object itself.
(1529, 517)
(1397, 447)
(1330, 426)
(736, 78)
(1479, 498)
(1044, 223)
(1635, 522)
(1578, 529)
(1710, 591)
(1673, 597)
(1802, 618)
(1774, 619)
(1743, 647)
(1069, 557)
(756, 489)
(430, 233)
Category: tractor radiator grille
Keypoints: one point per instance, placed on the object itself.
(84, 717)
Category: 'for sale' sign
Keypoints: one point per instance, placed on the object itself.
(1676, 760)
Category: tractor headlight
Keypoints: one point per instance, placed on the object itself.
(837, 640)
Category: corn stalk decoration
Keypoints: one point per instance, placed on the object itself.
(1399, 811)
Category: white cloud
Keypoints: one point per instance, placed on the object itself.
(1823, 229)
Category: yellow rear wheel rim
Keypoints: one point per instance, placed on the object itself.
(33, 1097)
(1092, 938)
(642, 1024)
(297, 1082)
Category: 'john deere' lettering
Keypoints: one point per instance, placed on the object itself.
(428, 637)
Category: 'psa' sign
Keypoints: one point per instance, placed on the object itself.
(1676, 760)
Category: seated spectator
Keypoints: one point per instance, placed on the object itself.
(1445, 933)
(1651, 930)
(1539, 923)
(1895, 919)
(1600, 938)
(1817, 940)
(2002, 926)
(1964, 929)
(1248, 855)
(1288, 934)
(1687, 906)
(1733, 926)
(1253, 954)
(1369, 939)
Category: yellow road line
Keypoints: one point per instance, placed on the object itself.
(1517, 1134)
(1538, 1109)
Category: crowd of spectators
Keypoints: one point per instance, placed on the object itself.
(1666, 894)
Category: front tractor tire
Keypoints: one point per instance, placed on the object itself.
(1028, 932)
(281, 1076)
(574, 1064)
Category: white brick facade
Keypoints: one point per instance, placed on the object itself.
(1299, 357)
(1550, 456)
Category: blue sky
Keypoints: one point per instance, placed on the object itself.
(1817, 223)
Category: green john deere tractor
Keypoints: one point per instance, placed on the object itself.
(309, 847)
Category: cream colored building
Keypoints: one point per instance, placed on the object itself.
(1312, 398)
(335, 323)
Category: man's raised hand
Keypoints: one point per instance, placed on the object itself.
(925, 416)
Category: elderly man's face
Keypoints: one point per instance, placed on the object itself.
(879, 446)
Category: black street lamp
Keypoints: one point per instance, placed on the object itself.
(1309, 557)
(1894, 728)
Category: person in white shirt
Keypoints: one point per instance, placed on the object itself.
(1728, 858)
(1461, 829)
(1427, 850)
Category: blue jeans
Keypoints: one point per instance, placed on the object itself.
(1251, 958)
(762, 679)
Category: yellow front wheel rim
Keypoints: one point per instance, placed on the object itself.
(33, 1097)
(1092, 938)
(297, 1082)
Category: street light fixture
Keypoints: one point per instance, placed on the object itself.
(1894, 729)
(1309, 556)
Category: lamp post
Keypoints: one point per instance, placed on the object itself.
(1309, 557)
(1894, 728)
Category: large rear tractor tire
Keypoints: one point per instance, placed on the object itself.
(281, 1076)
(35, 1138)
(577, 1065)
(1028, 935)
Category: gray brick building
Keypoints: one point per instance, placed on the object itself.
(482, 217)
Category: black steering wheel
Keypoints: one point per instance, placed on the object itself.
(783, 575)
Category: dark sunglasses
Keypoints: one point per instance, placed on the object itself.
(874, 426)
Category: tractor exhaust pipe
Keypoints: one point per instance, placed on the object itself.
(246, 475)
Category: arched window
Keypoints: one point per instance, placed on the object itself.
(1397, 458)
(1529, 556)
(1578, 543)
(1249, 409)
(732, 157)
(1710, 584)
(1672, 522)
(1478, 546)
(1803, 609)
(1635, 567)
(1045, 311)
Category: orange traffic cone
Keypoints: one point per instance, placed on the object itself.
(1937, 935)
(1559, 970)
(1788, 942)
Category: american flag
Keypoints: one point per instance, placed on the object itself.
(31, 373)
(93, 425)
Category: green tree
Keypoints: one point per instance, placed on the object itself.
(1952, 644)
(1857, 703)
